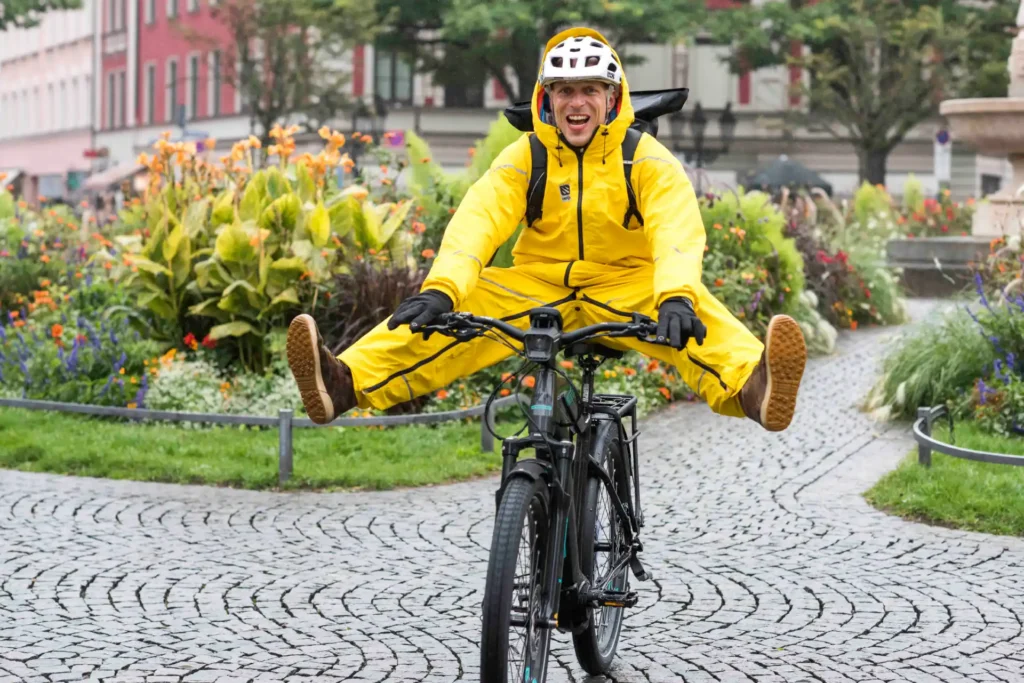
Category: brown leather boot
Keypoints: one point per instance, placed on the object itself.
(325, 383)
(769, 396)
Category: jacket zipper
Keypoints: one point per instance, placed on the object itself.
(579, 201)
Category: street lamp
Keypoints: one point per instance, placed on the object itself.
(698, 153)
(368, 122)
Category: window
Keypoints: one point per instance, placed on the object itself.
(122, 97)
(51, 106)
(172, 8)
(193, 86)
(62, 111)
(393, 77)
(464, 95)
(193, 5)
(110, 100)
(213, 97)
(150, 93)
(112, 15)
(172, 90)
(150, 11)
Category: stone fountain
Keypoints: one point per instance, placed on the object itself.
(994, 126)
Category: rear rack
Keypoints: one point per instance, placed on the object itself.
(622, 405)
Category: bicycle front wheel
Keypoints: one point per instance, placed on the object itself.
(514, 646)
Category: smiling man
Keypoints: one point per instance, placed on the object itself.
(598, 249)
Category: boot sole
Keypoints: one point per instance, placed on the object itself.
(304, 361)
(786, 355)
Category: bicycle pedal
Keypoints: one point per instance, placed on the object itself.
(613, 598)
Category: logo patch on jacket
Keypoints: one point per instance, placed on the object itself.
(564, 189)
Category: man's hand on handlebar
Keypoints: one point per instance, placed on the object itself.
(420, 310)
(678, 323)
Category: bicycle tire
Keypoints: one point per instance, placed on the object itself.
(596, 644)
(524, 503)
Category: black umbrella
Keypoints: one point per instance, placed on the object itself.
(784, 172)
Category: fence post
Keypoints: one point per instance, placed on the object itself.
(284, 446)
(486, 438)
(924, 452)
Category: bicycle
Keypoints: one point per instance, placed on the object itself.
(574, 508)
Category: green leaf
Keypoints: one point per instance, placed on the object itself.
(6, 204)
(307, 187)
(159, 303)
(319, 226)
(293, 266)
(232, 329)
(397, 217)
(233, 245)
(281, 215)
(173, 243)
(341, 211)
(151, 267)
(277, 184)
(288, 296)
(252, 202)
(208, 309)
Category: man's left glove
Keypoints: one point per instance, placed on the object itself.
(678, 323)
(422, 309)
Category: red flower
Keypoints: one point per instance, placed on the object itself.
(190, 341)
(949, 214)
(841, 255)
(209, 343)
(945, 228)
(823, 257)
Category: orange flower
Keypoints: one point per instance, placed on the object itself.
(442, 395)
(853, 325)
(529, 381)
(506, 376)
(719, 282)
(419, 227)
(44, 283)
(665, 392)
(567, 364)
(428, 253)
(653, 366)
(57, 331)
(630, 372)
(44, 258)
(504, 392)
(133, 405)
(19, 323)
(15, 314)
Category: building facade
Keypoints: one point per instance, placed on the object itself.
(46, 80)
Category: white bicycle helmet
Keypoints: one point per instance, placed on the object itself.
(580, 58)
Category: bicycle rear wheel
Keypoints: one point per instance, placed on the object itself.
(514, 647)
(602, 547)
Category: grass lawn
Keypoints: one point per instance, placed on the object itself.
(368, 458)
(958, 493)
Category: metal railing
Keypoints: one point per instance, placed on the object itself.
(285, 421)
(926, 444)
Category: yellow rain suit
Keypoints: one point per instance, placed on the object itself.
(577, 258)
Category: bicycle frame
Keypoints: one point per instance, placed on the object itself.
(556, 415)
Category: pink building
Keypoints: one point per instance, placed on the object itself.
(45, 104)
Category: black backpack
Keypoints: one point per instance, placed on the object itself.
(648, 105)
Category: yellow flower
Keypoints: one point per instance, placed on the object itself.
(133, 405)
(254, 142)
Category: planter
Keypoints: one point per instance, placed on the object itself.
(937, 266)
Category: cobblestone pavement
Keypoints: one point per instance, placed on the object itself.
(768, 566)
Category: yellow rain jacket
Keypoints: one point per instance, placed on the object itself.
(585, 225)
(578, 258)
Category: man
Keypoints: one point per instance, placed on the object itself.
(580, 257)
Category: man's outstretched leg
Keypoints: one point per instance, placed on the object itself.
(325, 383)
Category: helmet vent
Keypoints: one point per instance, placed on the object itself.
(572, 62)
(594, 43)
(592, 60)
(612, 66)
(556, 62)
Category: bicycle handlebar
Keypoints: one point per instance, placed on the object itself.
(452, 324)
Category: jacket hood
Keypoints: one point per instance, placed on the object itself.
(614, 132)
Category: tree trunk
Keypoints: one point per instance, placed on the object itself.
(871, 165)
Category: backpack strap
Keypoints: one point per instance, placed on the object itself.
(629, 145)
(538, 179)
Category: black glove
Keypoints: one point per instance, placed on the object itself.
(422, 309)
(677, 323)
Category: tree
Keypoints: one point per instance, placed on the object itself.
(468, 39)
(876, 68)
(287, 56)
(26, 13)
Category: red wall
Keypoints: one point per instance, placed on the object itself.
(164, 39)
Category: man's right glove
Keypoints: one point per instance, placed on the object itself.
(678, 323)
(422, 309)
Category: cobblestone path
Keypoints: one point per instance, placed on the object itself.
(768, 567)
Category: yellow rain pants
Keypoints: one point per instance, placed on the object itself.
(392, 366)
